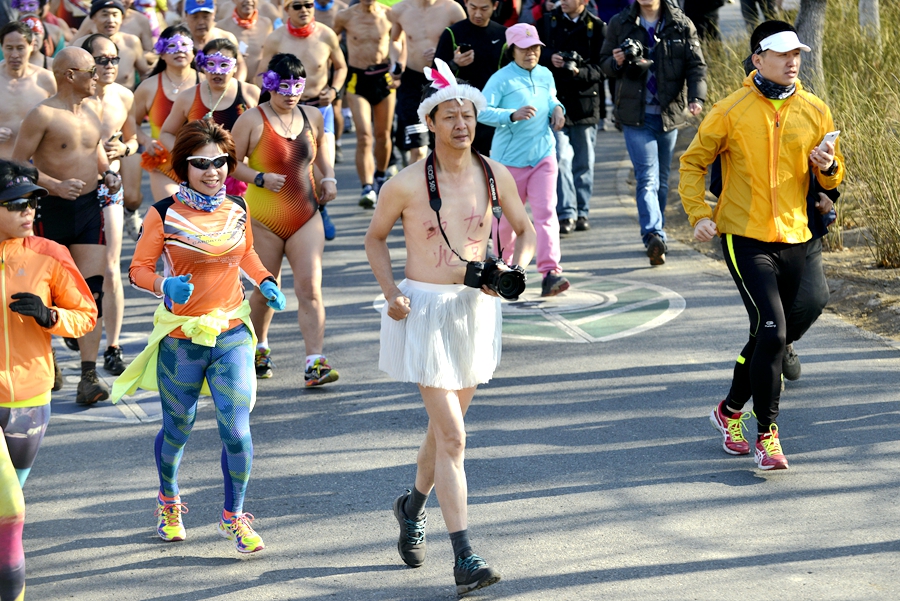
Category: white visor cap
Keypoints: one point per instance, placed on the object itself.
(783, 41)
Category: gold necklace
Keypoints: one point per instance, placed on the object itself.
(288, 129)
(209, 115)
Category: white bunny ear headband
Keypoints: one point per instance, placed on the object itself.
(448, 88)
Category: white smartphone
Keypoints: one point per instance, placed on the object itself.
(831, 136)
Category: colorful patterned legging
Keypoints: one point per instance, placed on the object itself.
(228, 367)
(23, 429)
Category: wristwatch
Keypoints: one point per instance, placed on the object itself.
(259, 180)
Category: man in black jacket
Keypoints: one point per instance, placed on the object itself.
(474, 49)
(573, 39)
(653, 100)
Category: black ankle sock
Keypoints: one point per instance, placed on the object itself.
(461, 546)
(112, 347)
(415, 504)
(726, 410)
(379, 174)
(87, 366)
(761, 430)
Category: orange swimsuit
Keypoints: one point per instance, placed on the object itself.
(284, 212)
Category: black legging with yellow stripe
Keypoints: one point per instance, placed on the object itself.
(768, 276)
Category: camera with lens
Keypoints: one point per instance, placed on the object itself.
(509, 284)
(571, 60)
(636, 64)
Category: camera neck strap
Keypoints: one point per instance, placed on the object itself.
(434, 198)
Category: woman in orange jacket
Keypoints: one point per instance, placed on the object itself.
(43, 294)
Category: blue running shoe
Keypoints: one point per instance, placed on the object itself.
(330, 232)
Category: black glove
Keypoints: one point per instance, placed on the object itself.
(27, 303)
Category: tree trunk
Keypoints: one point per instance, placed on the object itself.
(810, 26)
(870, 21)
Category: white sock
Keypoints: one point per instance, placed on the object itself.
(310, 359)
(263, 344)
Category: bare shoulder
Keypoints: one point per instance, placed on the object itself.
(453, 10)
(251, 90)
(126, 95)
(225, 34)
(147, 87)
(410, 182)
(398, 9)
(46, 80)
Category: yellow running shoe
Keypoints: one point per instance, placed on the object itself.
(170, 528)
(239, 530)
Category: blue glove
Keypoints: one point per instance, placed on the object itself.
(271, 292)
(178, 289)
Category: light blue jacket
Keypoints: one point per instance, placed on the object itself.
(522, 143)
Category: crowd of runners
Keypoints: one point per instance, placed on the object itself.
(235, 112)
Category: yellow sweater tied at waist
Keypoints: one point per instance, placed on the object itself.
(202, 330)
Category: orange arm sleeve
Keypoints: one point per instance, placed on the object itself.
(250, 263)
(72, 299)
(142, 272)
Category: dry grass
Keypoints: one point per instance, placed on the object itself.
(863, 91)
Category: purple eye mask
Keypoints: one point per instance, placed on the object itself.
(176, 43)
(272, 82)
(215, 63)
(26, 6)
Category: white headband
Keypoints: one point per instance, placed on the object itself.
(445, 83)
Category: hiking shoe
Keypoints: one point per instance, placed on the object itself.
(263, 363)
(790, 363)
(239, 530)
(582, 224)
(320, 373)
(57, 374)
(170, 528)
(368, 198)
(473, 573)
(327, 224)
(132, 224)
(732, 430)
(656, 250)
(91, 389)
(769, 455)
(411, 545)
(112, 360)
(71, 344)
(553, 284)
(566, 226)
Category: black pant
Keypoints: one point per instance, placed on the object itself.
(768, 277)
(812, 296)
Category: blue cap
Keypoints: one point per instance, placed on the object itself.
(195, 6)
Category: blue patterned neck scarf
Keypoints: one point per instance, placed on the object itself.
(772, 90)
(199, 201)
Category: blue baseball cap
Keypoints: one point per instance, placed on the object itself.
(195, 6)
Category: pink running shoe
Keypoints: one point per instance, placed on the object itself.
(732, 430)
(769, 455)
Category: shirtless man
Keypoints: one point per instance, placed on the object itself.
(22, 85)
(318, 49)
(251, 29)
(423, 21)
(106, 16)
(62, 136)
(134, 23)
(119, 135)
(370, 90)
(421, 314)
(325, 14)
(200, 18)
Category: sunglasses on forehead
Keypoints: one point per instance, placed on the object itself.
(107, 60)
(18, 205)
(298, 6)
(203, 163)
(92, 70)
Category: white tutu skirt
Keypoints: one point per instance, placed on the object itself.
(450, 339)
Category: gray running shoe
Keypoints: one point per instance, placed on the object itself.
(412, 535)
(790, 363)
(473, 573)
(132, 224)
(91, 389)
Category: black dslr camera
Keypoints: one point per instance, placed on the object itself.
(571, 60)
(635, 63)
(508, 284)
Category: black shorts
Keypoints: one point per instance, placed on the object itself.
(411, 133)
(371, 83)
(68, 222)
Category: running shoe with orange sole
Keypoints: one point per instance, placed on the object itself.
(239, 531)
(170, 528)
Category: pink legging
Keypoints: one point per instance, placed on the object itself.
(537, 186)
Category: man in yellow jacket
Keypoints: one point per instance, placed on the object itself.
(770, 135)
(43, 293)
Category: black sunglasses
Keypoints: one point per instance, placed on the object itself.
(306, 6)
(19, 205)
(203, 163)
(107, 60)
